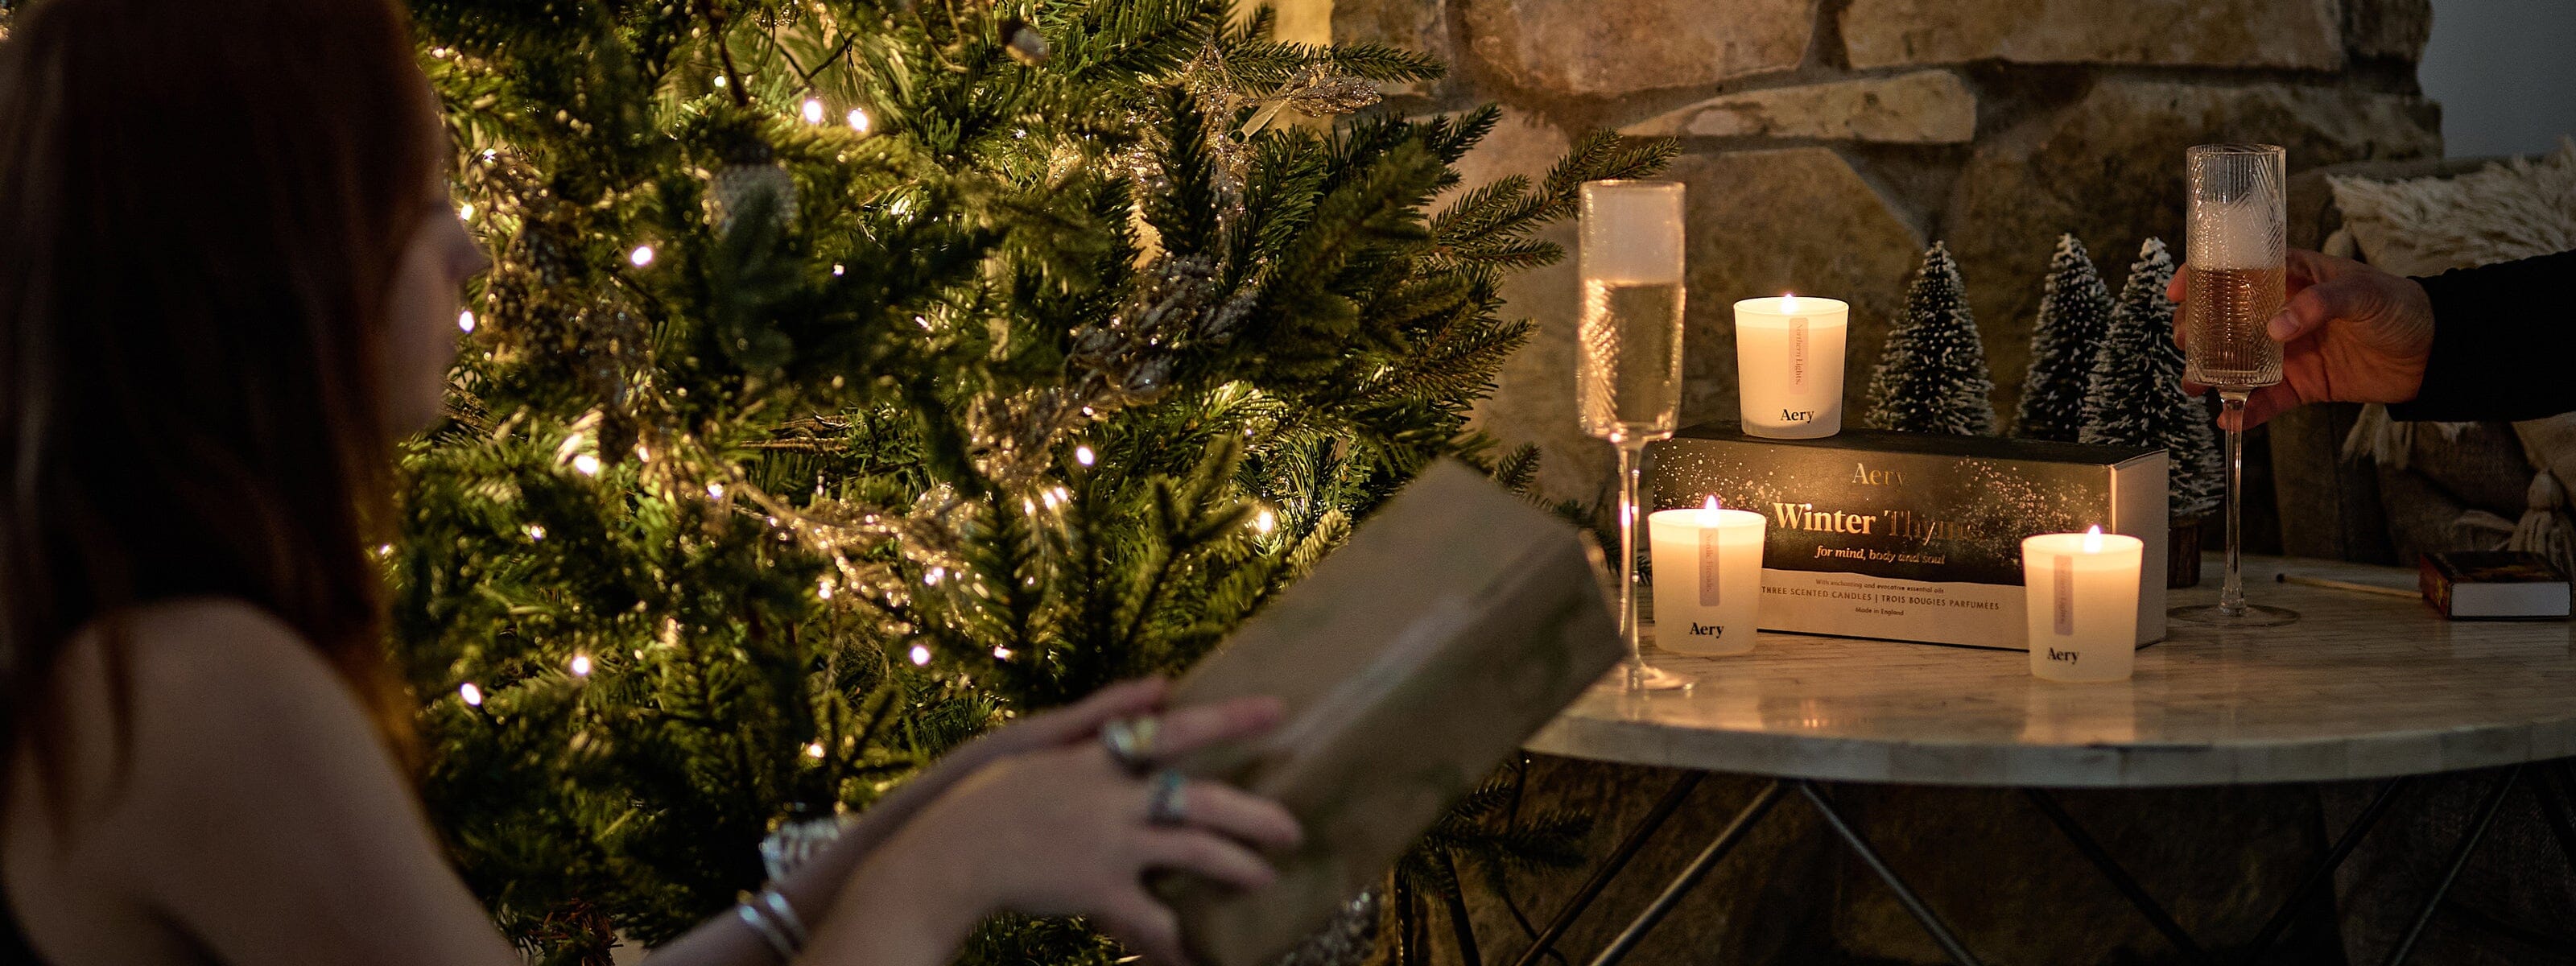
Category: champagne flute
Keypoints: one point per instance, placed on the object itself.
(1628, 380)
(2239, 256)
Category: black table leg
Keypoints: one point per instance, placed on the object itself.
(2549, 781)
(1913, 904)
(2459, 860)
(1610, 868)
(1682, 884)
(2323, 875)
(2120, 878)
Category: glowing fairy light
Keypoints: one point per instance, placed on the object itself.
(715, 491)
(641, 256)
(859, 120)
(586, 464)
(814, 750)
(1265, 521)
(813, 110)
(935, 575)
(473, 696)
(536, 531)
(465, 212)
(1001, 654)
(823, 588)
(465, 320)
(1059, 495)
(837, 269)
(581, 665)
(1084, 455)
(720, 82)
(920, 654)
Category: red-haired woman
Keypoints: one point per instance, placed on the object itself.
(228, 269)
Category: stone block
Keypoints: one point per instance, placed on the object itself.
(2214, 33)
(2109, 168)
(1421, 25)
(1614, 47)
(1790, 220)
(1924, 107)
(2388, 28)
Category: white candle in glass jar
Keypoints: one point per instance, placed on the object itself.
(1789, 365)
(1708, 578)
(2082, 592)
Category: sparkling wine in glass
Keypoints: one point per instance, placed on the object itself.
(2237, 223)
(1628, 379)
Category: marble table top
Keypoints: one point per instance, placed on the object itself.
(2362, 686)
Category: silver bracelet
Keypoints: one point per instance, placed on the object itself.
(769, 915)
(786, 916)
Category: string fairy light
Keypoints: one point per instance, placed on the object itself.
(586, 464)
(641, 256)
(581, 665)
(465, 320)
(472, 696)
(814, 750)
(813, 110)
(859, 120)
(465, 212)
(1265, 521)
(1084, 455)
(920, 654)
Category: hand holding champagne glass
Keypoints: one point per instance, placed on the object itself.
(2238, 227)
(1629, 374)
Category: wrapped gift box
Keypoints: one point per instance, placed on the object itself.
(1413, 661)
(1915, 537)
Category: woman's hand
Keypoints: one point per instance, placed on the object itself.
(2349, 333)
(1066, 831)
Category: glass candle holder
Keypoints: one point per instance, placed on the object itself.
(1708, 578)
(1789, 365)
(2082, 595)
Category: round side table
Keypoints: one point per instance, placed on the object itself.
(2364, 686)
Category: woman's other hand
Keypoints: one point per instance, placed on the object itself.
(1066, 830)
(2349, 333)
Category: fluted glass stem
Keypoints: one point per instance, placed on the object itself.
(2231, 595)
(1631, 456)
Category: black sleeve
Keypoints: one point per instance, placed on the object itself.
(2504, 342)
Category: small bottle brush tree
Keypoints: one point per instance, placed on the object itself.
(2135, 395)
(1932, 376)
(2074, 314)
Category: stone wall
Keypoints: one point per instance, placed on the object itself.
(1827, 142)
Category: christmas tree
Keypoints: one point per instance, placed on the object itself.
(2135, 396)
(2074, 312)
(856, 375)
(1932, 376)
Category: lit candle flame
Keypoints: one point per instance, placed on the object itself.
(1708, 512)
(1788, 303)
(2093, 539)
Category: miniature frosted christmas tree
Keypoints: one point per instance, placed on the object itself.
(2074, 314)
(1932, 377)
(2135, 397)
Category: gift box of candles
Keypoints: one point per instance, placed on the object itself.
(1908, 536)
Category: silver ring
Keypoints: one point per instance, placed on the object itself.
(1168, 804)
(1130, 742)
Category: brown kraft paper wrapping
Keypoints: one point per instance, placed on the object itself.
(1457, 621)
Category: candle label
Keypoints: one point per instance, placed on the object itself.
(1798, 353)
(2065, 595)
(1708, 569)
